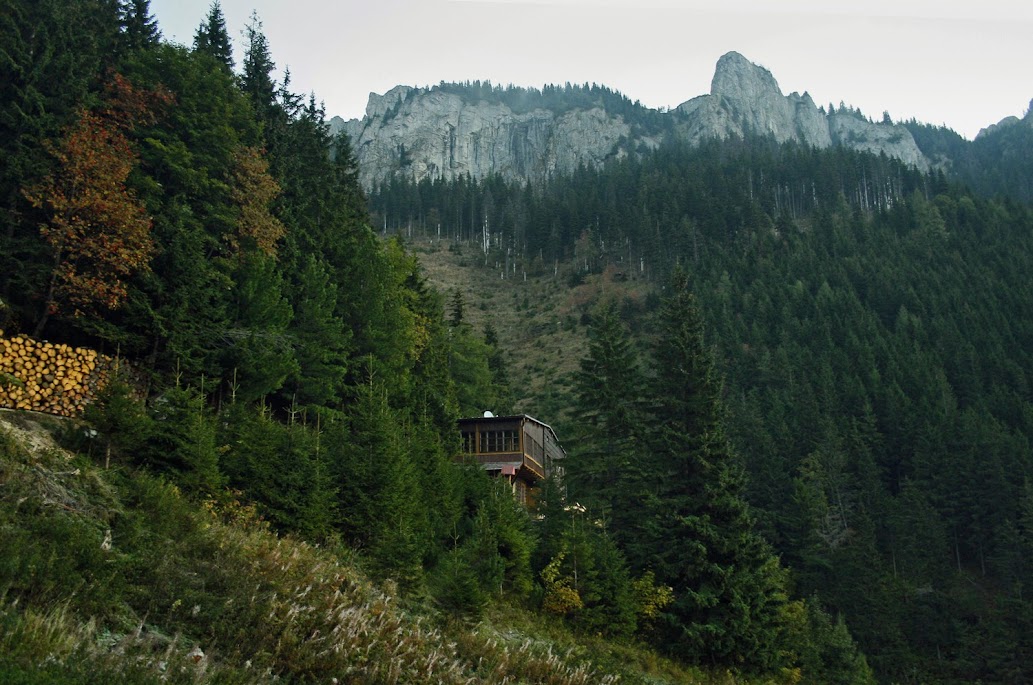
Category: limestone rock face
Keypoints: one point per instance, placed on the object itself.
(893, 140)
(745, 99)
(420, 133)
(750, 102)
(446, 132)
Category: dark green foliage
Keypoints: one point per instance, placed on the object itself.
(258, 344)
(600, 576)
(469, 364)
(696, 532)
(502, 533)
(830, 654)
(52, 62)
(121, 421)
(256, 79)
(499, 368)
(213, 39)
(871, 323)
(284, 469)
(456, 583)
(139, 28)
(378, 495)
(872, 326)
(606, 466)
(321, 342)
(183, 441)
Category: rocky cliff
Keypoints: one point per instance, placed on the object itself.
(745, 100)
(444, 132)
(433, 133)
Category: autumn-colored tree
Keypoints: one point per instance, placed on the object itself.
(98, 232)
(253, 191)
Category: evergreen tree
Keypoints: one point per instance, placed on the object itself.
(182, 442)
(213, 39)
(697, 533)
(256, 79)
(457, 309)
(283, 469)
(378, 495)
(605, 469)
(499, 371)
(54, 56)
(468, 364)
(140, 28)
(322, 344)
(258, 349)
(176, 315)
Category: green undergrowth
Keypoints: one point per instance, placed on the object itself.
(114, 576)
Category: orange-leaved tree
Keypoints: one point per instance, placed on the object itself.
(98, 231)
(254, 190)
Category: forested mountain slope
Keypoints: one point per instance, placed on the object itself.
(287, 411)
(873, 327)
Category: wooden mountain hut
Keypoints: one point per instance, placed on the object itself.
(519, 448)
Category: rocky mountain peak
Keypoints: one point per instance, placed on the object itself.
(738, 79)
(745, 100)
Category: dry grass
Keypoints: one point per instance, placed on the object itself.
(540, 319)
(187, 594)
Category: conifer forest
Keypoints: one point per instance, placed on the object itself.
(803, 456)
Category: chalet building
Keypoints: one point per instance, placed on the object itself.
(521, 449)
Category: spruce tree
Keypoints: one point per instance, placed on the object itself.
(257, 81)
(321, 341)
(259, 345)
(139, 27)
(697, 533)
(499, 371)
(213, 39)
(604, 469)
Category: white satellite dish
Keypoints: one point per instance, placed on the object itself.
(488, 415)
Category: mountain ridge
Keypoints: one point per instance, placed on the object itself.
(477, 129)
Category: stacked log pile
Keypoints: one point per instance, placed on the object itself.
(55, 379)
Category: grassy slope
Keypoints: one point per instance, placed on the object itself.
(539, 319)
(113, 576)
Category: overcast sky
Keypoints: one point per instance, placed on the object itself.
(962, 64)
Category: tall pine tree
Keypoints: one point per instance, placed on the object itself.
(604, 470)
(213, 39)
(697, 533)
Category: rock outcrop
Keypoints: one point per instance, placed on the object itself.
(431, 133)
(745, 99)
(444, 132)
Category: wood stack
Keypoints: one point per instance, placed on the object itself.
(56, 379)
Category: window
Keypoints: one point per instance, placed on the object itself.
(499, 441)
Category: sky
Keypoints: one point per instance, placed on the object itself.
(964, 65)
